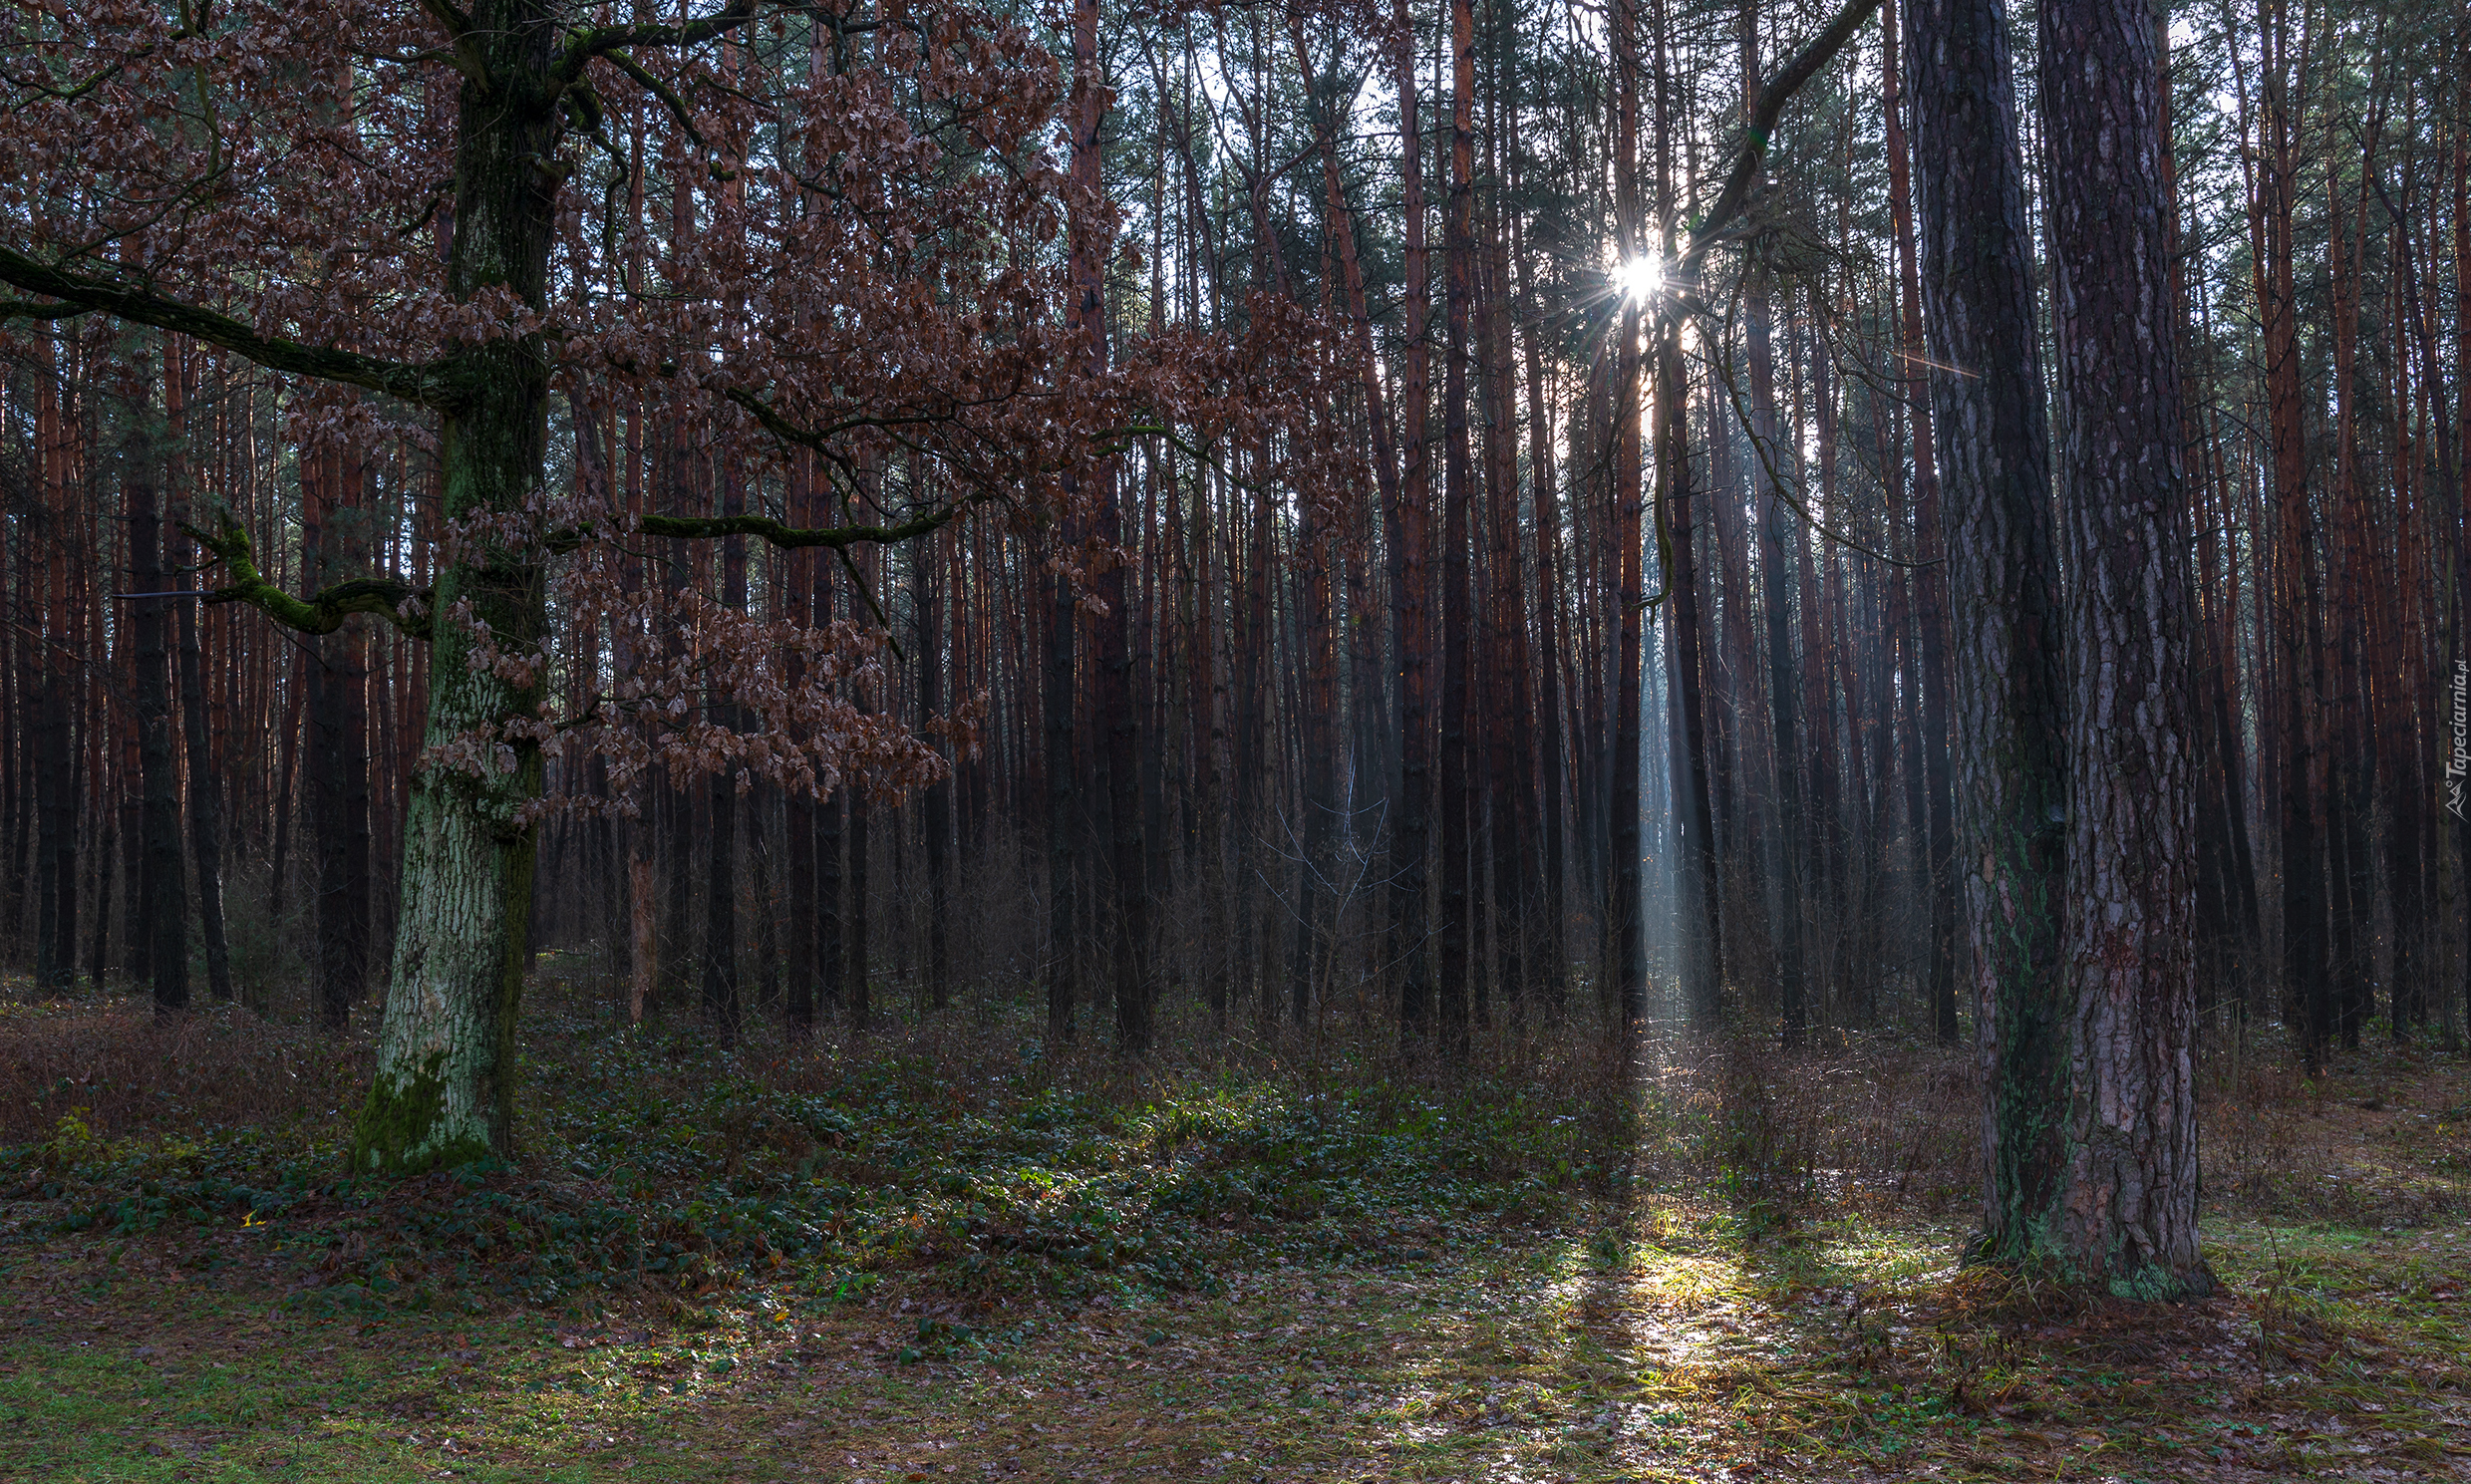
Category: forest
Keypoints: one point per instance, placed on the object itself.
(1425, 740)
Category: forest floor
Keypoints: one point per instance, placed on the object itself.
(949, 1265)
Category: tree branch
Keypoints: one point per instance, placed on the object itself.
(605, 41)
(423, 384)
(399, 603)
(468, 58)
(1799, 502)
(669, 99)
(791, 537)
(31, 309)
(820, 439)
(1772, 98)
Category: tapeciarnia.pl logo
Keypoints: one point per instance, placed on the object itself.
(2459, 762)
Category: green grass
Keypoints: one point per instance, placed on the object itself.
(1513, 1354)
(970, 1261)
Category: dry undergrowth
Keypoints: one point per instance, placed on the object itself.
(1774, 1295)
(123, 1071)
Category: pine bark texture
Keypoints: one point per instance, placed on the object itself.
(2010, 690)
(2129, 1213)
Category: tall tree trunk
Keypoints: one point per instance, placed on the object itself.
(124, 837)
(1783, 679)
(165, 898)
(1822, 627)
(2010, 695)
(857, 968)
(1509, 705)
(935, 800)
(286, 787)
(1457, 595)
(16, 760)
(2353, 765)
(1741, 737)
(831, 977)
(726, 805)
(2128, 1216)
(805, 606)
(1774, 458)
(1698, 890)
(338, 755)
(16, 794)
(1553, 973)
(1115, 718)
(1062, 985)
(2307, 983)
(720, 977)
(1930, 580)
(1315, 925)
(1411, 614)
(443, 1092)
(1256, 930)
(2454, 853)
(205, 823)
(55, 953)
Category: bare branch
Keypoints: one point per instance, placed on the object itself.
(468, 58)
(424, 384)
(1797, 502)
(613, 41)
(669, 100)
(1753, 154)
(791, 537)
